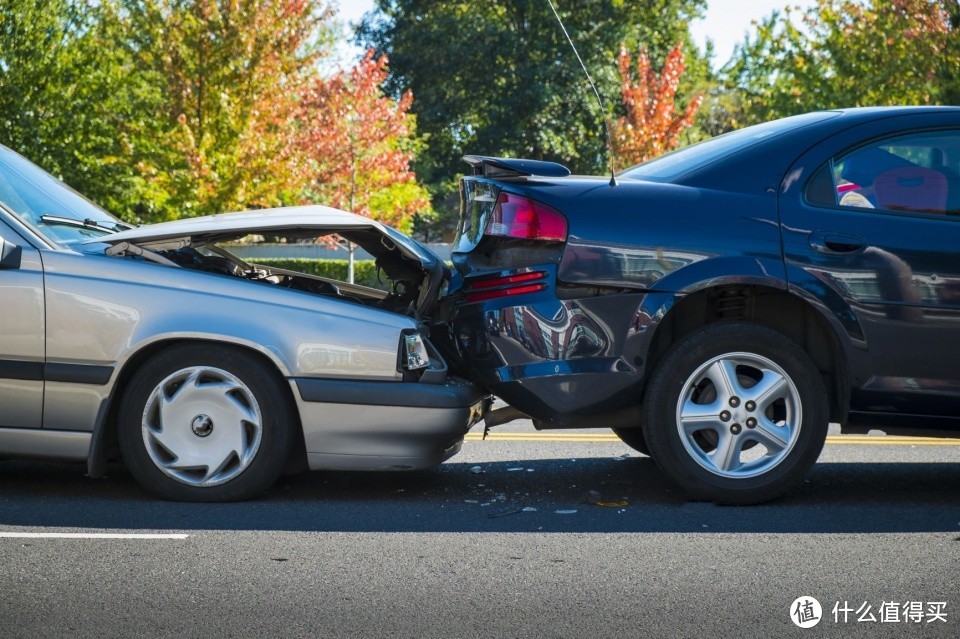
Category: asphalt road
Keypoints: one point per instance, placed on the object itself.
(498, 542)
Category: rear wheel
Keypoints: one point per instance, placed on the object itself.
(633, 437)
(205, 423)
(736, 413)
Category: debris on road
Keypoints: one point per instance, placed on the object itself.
(594, 498)
(504, 513)
(476, 470)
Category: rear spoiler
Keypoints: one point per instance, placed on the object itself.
(492, 167)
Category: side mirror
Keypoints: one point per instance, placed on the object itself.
(10, 255)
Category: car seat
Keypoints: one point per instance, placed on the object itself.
(912, 188)
(953, 181)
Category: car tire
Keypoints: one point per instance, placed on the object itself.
(206, 423)
(633, 437)
(735, 413)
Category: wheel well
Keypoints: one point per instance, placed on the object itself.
(774, 308)
(105, 439)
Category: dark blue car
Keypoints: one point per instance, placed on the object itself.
(720, 305)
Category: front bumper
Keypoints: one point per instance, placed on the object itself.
(358, 425)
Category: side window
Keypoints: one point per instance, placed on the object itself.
(916, 173)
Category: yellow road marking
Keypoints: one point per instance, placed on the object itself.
(602, 438)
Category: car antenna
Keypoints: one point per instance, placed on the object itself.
(603, 111)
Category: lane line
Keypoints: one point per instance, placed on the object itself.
(36, 535)
(848, 440)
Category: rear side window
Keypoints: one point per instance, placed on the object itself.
(913, 173)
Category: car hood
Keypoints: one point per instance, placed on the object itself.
(226, 227)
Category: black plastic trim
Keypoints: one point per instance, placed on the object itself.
(13, 369)
(38, 371)
(78, 373)
(452, 394)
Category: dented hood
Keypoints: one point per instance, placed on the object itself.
(305, 220)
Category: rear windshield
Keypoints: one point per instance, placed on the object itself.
(678, 163)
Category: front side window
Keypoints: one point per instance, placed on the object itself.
(913, 173)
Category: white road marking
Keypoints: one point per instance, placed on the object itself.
(36, 535)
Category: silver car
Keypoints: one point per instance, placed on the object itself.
(207, 375)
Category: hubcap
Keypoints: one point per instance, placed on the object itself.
(739, 388)
(202, 426)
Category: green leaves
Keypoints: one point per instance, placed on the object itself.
(67, 98)
(498, 77)
(844, 53)
(161, 109)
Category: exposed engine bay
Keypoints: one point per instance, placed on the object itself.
(404, 285)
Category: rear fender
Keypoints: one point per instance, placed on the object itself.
(720, 271)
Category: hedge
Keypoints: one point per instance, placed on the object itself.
(364, 271)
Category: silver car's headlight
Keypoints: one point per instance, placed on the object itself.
(415, 354)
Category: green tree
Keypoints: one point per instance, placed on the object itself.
(498, 77)
(847, 53)
(69, 99)
(231, 73)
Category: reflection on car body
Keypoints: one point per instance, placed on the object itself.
(209, 376)
(737, 294)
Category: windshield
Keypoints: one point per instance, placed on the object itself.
(35, 196)
(678, 163)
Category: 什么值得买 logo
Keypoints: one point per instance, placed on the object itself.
(805, 612)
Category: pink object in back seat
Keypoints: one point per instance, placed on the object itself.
(912, 188)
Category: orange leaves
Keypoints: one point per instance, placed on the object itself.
(252, 122)
(651, 125)
(356, 145)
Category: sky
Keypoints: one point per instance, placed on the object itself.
(726, 21)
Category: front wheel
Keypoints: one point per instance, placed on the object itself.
(736, 413)
(205, 423)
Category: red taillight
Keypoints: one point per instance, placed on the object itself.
(521, 217)
(492, 288)
(497, 282)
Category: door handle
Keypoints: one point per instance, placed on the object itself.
(836, 243)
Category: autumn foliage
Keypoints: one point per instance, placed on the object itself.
(356, 145)
(228, 71)
(162, 109)
(652, 125)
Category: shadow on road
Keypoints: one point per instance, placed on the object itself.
(836, 498)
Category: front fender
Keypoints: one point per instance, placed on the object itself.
(102, 310)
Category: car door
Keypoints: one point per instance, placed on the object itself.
(872, 216)
(22, 333)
